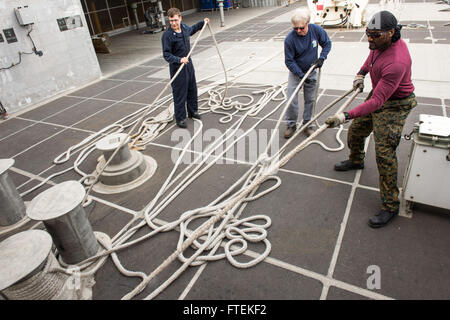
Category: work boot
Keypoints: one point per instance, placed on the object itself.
(348, 165)
(182, 124)
(290, 131)
(195, 115)
(309, 131)
(381, 218)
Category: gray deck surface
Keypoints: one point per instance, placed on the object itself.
(321, 243)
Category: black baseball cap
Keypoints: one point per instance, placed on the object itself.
(383, 20)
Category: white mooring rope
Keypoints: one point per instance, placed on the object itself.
(224, 228)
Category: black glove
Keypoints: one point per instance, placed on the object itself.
(319, 63)
(308, 81)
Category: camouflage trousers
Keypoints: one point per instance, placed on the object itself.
(386, 124)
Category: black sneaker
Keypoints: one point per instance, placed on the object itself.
(182, 124)
(195, 115)
(348, 165)
(381, 218)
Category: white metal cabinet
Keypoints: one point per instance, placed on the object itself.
(427, 178)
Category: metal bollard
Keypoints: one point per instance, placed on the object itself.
(133, 7)
(222, 17)
(109, 144)
(161, 12)
(12, 207)
(22, 256)
(126, 171)
(125, 167)
(60, 209)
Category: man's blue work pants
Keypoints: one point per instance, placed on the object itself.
(309, 91)
(184, 90)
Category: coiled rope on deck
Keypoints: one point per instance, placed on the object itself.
(225, 210)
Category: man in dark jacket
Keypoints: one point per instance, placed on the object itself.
(176, 46)
(300, 52)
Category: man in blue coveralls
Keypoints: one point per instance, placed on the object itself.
(176, 46)
(300, 52)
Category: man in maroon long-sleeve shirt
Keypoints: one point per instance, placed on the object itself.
(384, 112)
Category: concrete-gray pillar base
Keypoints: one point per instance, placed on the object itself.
(150, 168)
(60, 209)
(124, 172)
(127, 170)
(12, 207)
(23, 255)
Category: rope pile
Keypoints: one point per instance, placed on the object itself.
(224, 229)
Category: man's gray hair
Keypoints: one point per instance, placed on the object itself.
(301, 15)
